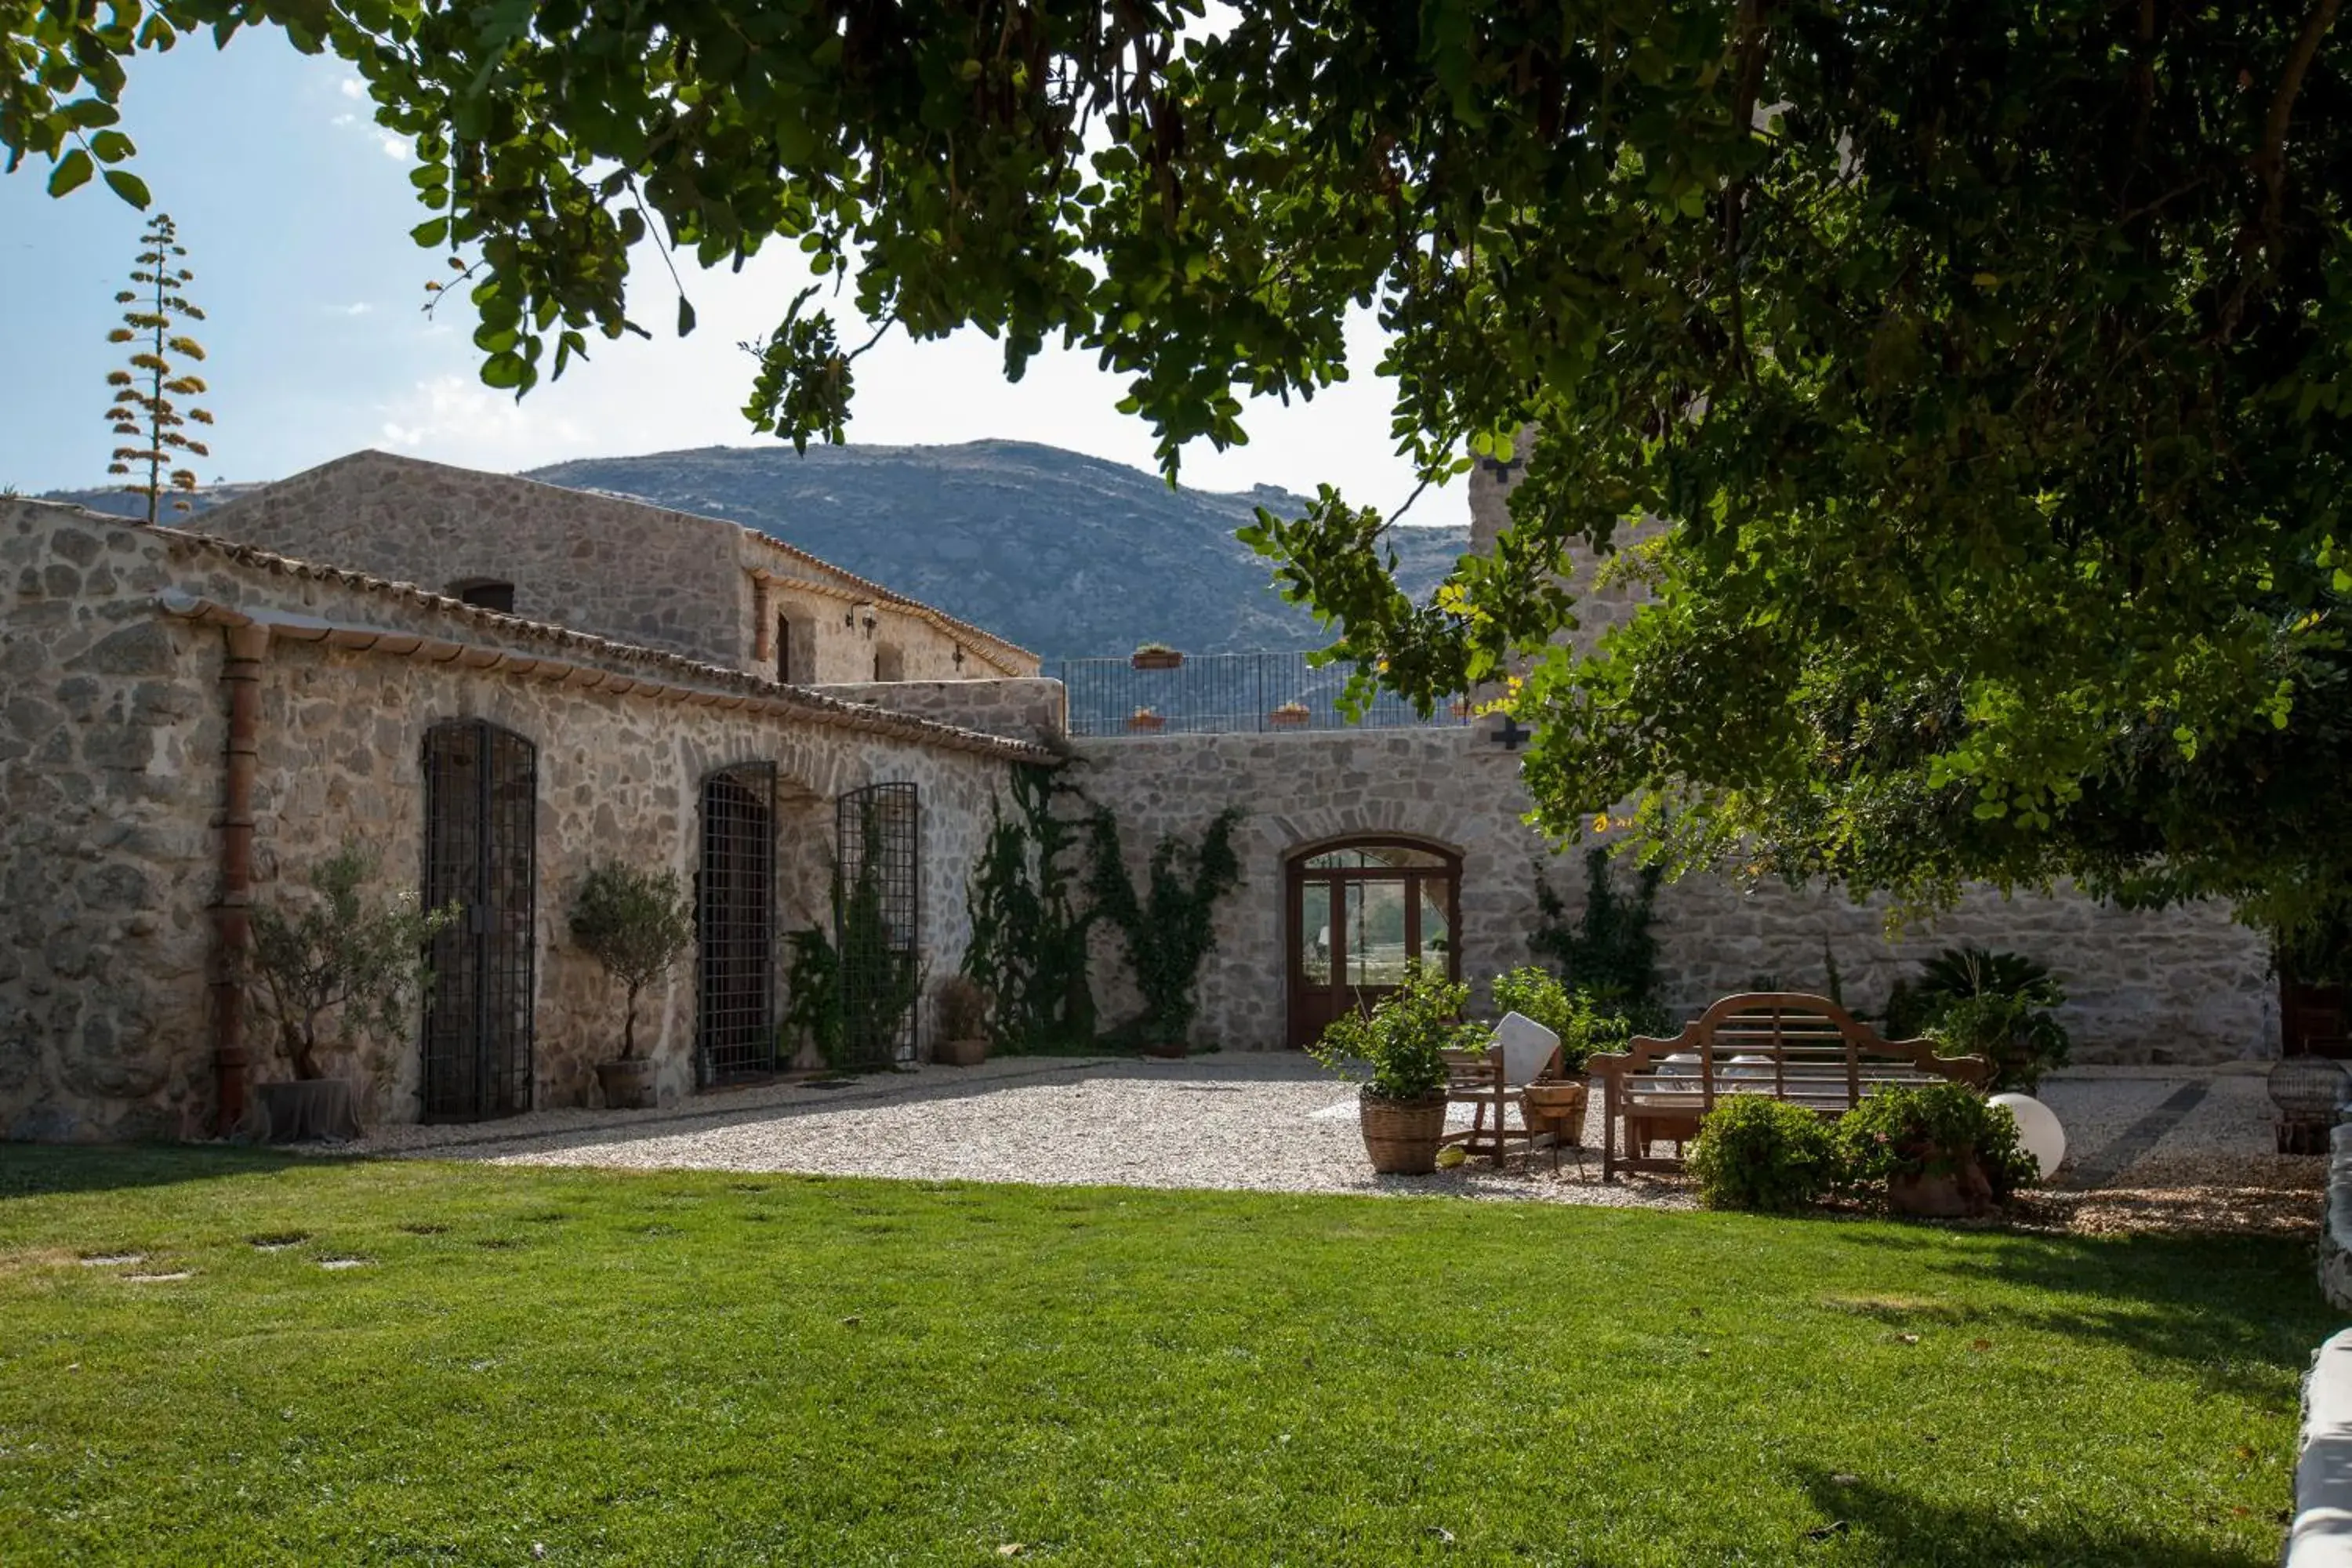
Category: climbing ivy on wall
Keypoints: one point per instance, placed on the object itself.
(1608, 948)
(812, 980)
(1028, 945)
(1168, 929)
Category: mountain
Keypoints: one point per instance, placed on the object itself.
(1067, 555)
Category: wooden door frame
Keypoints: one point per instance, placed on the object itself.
(1301, 1010)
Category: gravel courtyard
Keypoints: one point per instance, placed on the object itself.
(2144, 1151)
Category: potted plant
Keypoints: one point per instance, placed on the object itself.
(1998, 1005)
(1156, 656)
(1402, 1041)
(637, 924)
(1291, 715)
(329, 973)
(1147, 721)
(960, 1008)
(1942, 1150)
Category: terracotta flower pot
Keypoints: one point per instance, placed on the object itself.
(1401, 1136)
(628, 1085)
(1146, 723)
(1288, 717)
(1167, 1050)
(1156, 659)
(1961, 1194)
(310, 1111)
(961, 1053)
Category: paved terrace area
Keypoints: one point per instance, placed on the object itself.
(2147, 1148)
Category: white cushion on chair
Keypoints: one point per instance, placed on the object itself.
(1527, 1046)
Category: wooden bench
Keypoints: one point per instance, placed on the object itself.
(1806, 1050)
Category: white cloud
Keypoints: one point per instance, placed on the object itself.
(395, 145)
(352, 87)
(344, 120)
(357, 307)
(457, 420)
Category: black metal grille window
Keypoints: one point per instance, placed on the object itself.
(735, 925)
(1226, 693)
(481, 805)
(877, 916)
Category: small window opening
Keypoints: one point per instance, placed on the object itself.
(889, 663)
(485, 593)
(783, 650)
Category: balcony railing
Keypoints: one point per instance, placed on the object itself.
(1223, 694)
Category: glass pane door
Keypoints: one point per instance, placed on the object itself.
(1376, 949)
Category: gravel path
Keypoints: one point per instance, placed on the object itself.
(1278, 1123)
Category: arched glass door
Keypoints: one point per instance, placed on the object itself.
(1359, 912)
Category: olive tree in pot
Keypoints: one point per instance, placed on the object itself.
(333, 973)
(637, 924)
(1402, 1041)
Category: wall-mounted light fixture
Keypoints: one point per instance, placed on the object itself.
(849, 617)
(959, 655)
(871, 616)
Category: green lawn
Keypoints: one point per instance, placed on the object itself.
(699, 1369)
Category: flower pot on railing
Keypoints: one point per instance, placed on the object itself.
(1290, 716)
(1145, 722)
(1152, 655)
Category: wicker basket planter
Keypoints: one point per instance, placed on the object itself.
(1156, 658)
(1556, 1109)
(1401, 1136)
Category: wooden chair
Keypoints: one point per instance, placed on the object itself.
(1477, 1079)
(1804, 1049)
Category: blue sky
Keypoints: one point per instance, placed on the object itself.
(296, 207)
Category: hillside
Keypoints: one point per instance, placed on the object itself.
(1064, 554)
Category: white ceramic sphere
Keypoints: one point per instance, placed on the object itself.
(2037, 1130)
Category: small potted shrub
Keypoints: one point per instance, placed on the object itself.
(637, 924)
(1290, 716)
(1146, 720)
(1402, 1108)
(960, 1008)
(1756, 1152)
(1156, 656)
(1941, 1150)
(1999, 1006)
(329, 973)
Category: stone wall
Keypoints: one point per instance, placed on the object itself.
(2184, 985)
(1023, 710)
(616, 568)
(112, 741)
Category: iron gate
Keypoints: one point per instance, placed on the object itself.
(481, 802)
(876, 909)
(735, 924)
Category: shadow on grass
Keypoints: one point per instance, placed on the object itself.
(39, 1170)
(2241, 1312)
(1909, 1530)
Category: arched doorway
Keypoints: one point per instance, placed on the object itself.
(481, 802)
(1356, 912)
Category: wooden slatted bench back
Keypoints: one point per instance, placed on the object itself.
(1802, 1049)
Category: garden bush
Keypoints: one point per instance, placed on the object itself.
(1583, 1025)
(1935, 1131)
(1973, 1002)
(1754, 1152)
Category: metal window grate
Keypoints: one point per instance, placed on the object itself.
(1227, 693)
(877, 919)
(481, 802)
(735, 925)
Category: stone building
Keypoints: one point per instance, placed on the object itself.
(492, 684)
